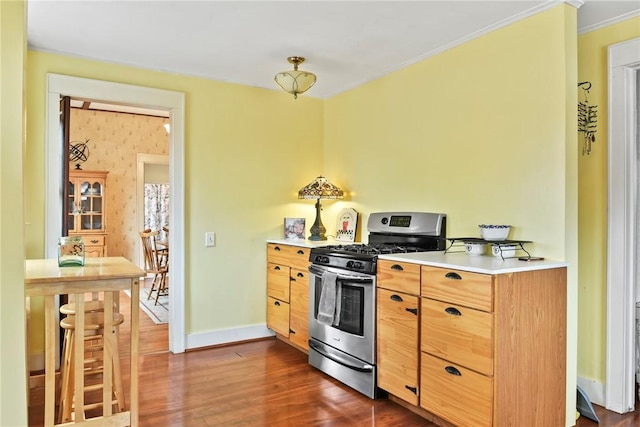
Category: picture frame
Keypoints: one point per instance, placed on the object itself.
(294, 228)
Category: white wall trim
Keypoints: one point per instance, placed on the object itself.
(118, 93)
(225, 336)
(624, 61)
(608, 22)
(594, 390)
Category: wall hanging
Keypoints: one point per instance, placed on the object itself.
(78, 152)
(587, 119)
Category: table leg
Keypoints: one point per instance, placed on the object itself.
(78, 369)
(50, 361)
(108, 338)
(135, 323)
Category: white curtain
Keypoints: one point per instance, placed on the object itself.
(156, 207)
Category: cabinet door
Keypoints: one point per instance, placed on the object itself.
(398, 347)
(299, 308)
(278, 281)
(278, 316)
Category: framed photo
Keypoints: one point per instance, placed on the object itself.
(294, 228)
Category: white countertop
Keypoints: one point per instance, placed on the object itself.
(486, 264)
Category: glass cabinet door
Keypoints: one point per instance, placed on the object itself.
(85, 205)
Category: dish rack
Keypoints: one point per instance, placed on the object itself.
(459, 242)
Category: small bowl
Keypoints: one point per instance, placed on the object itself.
(503, 251)
(475, 248)
(494, 232)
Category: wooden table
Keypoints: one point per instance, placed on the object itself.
(43, 277)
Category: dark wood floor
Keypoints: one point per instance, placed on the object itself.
(262, 383)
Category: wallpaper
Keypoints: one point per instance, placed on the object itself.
(114, 140)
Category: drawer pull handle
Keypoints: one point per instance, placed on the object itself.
(300, 274)
(453, 311)
(300, 252)
(396, 298)
(453, 276)
(277, 303)
(453, 371)
(413, 390)
(277, 268)
(397, 267)
(293, 279)
(94, 241)
(412, 310)
(276, 248)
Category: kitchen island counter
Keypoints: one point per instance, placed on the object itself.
(485, 264)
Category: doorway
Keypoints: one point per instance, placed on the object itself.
(151, 169)
(622, 227)
(122, 94)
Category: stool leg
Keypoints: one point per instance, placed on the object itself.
(118, 389)
(66, 392)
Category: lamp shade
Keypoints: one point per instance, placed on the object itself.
(295, 81)
(320, 188)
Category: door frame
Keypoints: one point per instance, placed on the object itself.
(624, 64)
(123, 94)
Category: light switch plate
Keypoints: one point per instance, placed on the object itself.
(209, 239)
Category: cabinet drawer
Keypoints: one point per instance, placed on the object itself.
(460, 396)
(459, 287)
(459, 334)
(399, 276)
(278, 281)
(278, 316)
(398, 344)
(293, 256)
(92, 239)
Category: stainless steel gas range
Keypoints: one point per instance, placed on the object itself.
(342, 293)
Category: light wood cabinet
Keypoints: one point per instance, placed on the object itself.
(398, 304)
(494, 347)
(299, 308)
(87, 214)
(288, 293)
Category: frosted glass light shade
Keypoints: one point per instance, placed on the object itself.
(295, 81)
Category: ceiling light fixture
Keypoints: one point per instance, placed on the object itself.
(295, 81)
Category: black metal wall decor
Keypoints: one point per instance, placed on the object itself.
(78, 152)
(587, 119)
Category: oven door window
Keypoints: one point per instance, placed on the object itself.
(352, 307)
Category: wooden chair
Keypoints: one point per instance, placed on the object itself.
(156, 262)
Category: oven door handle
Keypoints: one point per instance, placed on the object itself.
(318, 271)
(349, 363)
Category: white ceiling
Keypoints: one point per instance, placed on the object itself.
(346, 43)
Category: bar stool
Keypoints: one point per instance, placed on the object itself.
(94, 365)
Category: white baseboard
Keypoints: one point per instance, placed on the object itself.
(225, 336)
(36, 362)
(594, 390)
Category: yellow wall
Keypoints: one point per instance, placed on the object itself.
(480, 132)
(247, 152)
(13, 391)
(592, 67)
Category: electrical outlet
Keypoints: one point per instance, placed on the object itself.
(209, 239)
